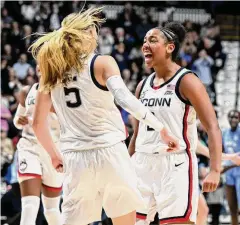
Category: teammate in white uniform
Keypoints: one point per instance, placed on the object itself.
(82, 87)
(35, 169)
(168, 181)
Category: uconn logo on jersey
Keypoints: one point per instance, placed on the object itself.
(31, 101)
(156, 102)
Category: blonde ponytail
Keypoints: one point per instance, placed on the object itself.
(66, 49)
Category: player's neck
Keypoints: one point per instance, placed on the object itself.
(166, 71)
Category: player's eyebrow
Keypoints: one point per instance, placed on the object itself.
(151, 36)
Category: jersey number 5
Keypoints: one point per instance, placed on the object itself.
(77, 101)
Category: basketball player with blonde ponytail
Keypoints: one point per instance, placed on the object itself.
(82, 86)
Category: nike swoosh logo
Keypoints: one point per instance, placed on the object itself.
(176, 165)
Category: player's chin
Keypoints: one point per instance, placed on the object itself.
(148, 64)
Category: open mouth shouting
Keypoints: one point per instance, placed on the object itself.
(148, 57)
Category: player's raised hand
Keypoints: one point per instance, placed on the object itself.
(172, 142)
(211, 181)
(57, 163)
(22, 120)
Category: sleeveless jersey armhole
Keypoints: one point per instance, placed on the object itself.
(93, 76)
(187, 102)
(143, 84)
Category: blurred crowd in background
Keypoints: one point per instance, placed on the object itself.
(122, 37)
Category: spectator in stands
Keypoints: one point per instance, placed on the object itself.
(14, 84)
(202, 66)
(130, 83)
(6, 149)
(120, 35)
(5, 90)
(15, 37)
(21, 67)
(231, 144)
(42, 16)
(143, 27)
(126, 38)
(136, 73)
(136, 55)
(54, 18)
(5, 118)
(6, 19)
(8, 108)
(40, 29)
(128, 18)
(26, 40)
(186, 54)
(188, 25)
(121, 56)
(29, 9)
(195, 37)
(105, 41)
(9, 55)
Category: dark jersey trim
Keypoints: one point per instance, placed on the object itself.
(93, 77)
(157, 87)
(187, 102)
(143, 84)
(141, 216)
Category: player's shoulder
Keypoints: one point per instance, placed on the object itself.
(189, 78)
(106, 65)
(140, 86)
(105, 59)
(26, 89)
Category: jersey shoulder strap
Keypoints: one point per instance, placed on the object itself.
(145, 84)
(177, 81)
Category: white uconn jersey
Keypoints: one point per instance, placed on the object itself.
(87, 113)
(176, 114)
(27, 131)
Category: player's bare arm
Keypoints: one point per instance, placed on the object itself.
(193, 90)
(20, 118)
(42, 108)
(131, 147)
(203, 150)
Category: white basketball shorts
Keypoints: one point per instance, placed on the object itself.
(34, 161)
(168, 185)
(96, 179)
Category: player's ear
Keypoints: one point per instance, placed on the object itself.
(170, 47)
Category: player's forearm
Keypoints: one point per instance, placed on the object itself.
(44, 137)
(202, 150)
(20, 112)
(215, 148)
(226, 156)
(131, 147)
(131, 104)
